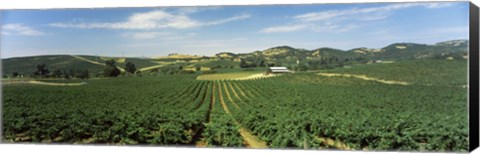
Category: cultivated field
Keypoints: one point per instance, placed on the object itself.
(227, 76)
(301, 110)
(251, 75)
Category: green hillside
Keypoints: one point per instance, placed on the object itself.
(331, 52)
(27, 65)
(288, 56)
(139, 62)
(411, 50)
(221, 63)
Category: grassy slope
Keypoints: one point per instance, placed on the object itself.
(139, 62)
(27, 65)
(222, 63)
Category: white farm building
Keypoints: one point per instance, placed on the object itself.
(277, 70)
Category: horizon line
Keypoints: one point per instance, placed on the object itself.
(153, 57)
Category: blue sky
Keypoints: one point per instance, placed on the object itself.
(152, 32)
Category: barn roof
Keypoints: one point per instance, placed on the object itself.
(279, 69)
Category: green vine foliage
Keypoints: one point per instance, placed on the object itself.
(289, 111)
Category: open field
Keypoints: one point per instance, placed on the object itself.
(302, 110)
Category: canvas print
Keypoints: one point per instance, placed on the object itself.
(359, 76)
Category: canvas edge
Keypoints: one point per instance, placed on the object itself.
(473, 77)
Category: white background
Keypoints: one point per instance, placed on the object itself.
(83, 149)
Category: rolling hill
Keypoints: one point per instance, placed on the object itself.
(392, 51)
(27, 65)
(288, 56)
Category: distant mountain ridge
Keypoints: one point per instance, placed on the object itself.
(392, 51)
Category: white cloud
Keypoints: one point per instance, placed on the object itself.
(438, 5)
(326, 27)
(315, 16)
(188, 10)
(145, 35)
(234, 18)
(319, 15)
(19, 29)
(148, 20)
(3, 32)
(337, 20)
(375, 16)
(286, 28)
(157, 19)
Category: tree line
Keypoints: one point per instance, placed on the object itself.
(302, 64)
(110, 70)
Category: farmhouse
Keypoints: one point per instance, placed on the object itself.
(277, 70)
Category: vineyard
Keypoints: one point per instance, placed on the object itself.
(301, 110)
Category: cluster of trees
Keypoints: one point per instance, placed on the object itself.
(302, 65)
(43, 72)
(322, 63)
(258, 61)
(217, 67)
(71, 73)
(113, 71)
(110, 71)
(453, 55)
(172, 70)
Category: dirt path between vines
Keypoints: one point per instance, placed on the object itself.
(240, 90)
(203, 142)
(212, 102)
(94, 62)
(256, 76)
(364, 77)
(228, 95)
(251, 140)
(88, 60)
(202, 95)
(224, 106)
(151, 67)
(234, 91)
(333, 143)
(327, 141)
(44, 83)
